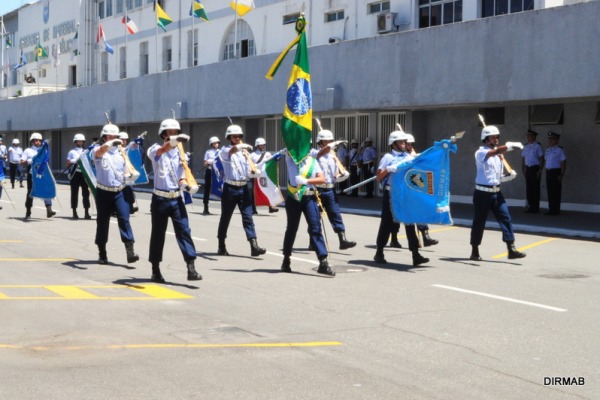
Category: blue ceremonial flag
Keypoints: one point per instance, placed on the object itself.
(420, 188)
(136, 156)
(218, 178)
(44, 185)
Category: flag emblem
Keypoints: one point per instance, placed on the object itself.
(299, 98)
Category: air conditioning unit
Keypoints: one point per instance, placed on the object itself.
(385, 22)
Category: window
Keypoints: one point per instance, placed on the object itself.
(334, 16)
(101, 10)
(290, 18)
(144, 58)
(436, 12)
(490, 8)
(167, 54)
(492, 115)
(42, 72)
(104, 67)
(119, 6)
(245, 42)
(123, 63)
(192, 59)
(109, 8)
(377, 7)
(547, 114)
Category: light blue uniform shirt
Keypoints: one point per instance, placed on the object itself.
(554, 156)
(110, 168)
(393, 158)
(489, 171)
(369, 154)
(293, 169)
(210, 154)
(168, 169)
(327, 164)
(532, 152)
(236, 167)
(74, 155)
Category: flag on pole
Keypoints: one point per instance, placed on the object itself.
(86, 165)
(296, 123)
(162, 19)
(266, 189)
(22, 60)
(44, 185)
(101, 36)
(420, 188)
(217, 178)
(8, 42)
(130, 25)
(40, 52)
(241, 7)
(197, 10)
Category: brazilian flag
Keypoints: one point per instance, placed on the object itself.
(40, 52)
(296, 124)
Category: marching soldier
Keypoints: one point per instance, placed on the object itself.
(111, 171)
(556, 165)
(209, 159)
(167, 201)
(237, 168)
(332, 173)
(388, 165)
(14, 163)
(76, 178)
(487, 195)
(368, 158)
(35, 140)
(128, 190)
(354, 162)
(533, 163)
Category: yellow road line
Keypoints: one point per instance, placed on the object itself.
(176, 346)
(37, 259)
(529, 246)
(72, 292)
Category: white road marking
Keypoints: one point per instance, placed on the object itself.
(492, 296)
(294, 258)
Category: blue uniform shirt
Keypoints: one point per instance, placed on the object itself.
(489, 171)
(293, 168)
(554, 156)
(110, 168)
(532, 152)
(236, 167)
(393, 158)
(369, 154)
(327, 164)
(168, 169)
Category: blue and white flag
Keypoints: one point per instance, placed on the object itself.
(420, 188)
(136, 157)
(44, 185)
(218, 178)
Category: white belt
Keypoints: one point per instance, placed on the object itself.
(326, 186)
(309, 192)
(173, 194)
(494, 189)
(236, 183)
(110, 188)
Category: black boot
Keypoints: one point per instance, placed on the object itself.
(28, 213)
(513, 252)
(285, 265)
(418, 259)
(87, 214)
(131, 256)
(427, 240)
(192, 274)
(256, 251)
(102, 257)
(156, 275)
(222, 249)
(205, 212)
(344, 243)
(379, 257)
(49, 212)
(394, 242)
(75, 216)
(324, 267)
(475, 254)
(273, 210)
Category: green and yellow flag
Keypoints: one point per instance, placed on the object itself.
(40, 52)
(296, 124)
(197, 10)
(162, 19)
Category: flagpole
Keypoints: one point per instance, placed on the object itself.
(235, 47)
(3, 35)
(193, 41)
(155, 39)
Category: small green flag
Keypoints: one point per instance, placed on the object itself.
(40, 52)
(197, 10)
(162, 18)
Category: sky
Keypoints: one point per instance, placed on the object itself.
(10, 5)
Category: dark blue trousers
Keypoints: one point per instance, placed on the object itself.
(294, 210)
(387, 226)
(78, 181)
(484, 202)
(207, 186)
(554, 187)
(236, 196)
(162, 209)
(532, 187)
(332, 208)
(106, 203)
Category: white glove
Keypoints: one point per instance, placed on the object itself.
(372, 170)
(300, 180)
(114, 142)
(510, 177)
(358, 171)
(391, 168)
(342, 177)
(211, 161)
(243, 146)
(182, 137)
(254, 174)
(191, 189)
(513, 145)
(173, 142)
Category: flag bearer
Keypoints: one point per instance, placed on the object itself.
(76, 177)
(259, 155)
(388, 165)
(111, 169)
(237, 168)
(35, 140)
(167, 201)
(128, 190)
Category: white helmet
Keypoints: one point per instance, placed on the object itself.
(78, 137)
(110, 130)
(259, 141)
(168, 124)
(213, 139)
(36, 135)
(369, 139)
(410, 138)
(234, 130)
(395, 136)
(15, 141)
(123, 135)
(324, 135)
(489, 130)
